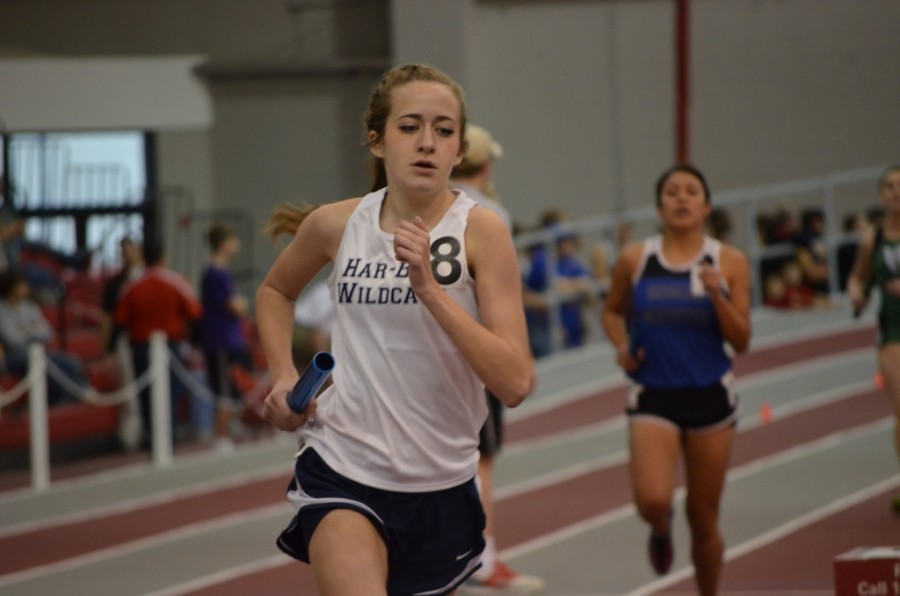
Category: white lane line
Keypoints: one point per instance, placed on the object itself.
(543, 541)
(551, 402)
(788, 372)
(156, 540)
(548, 403)
(778, 532)
(738, 473)
(225, 575)
(568, 532)
(106, 510)
(828, 328)
(561, 475)
(583, 526)
(616, 458)
(769, 376)
(275, 446)
(746, 422)
(749, 420)
(785, 372)
(560, 535)
(564, 437)
(610, 379)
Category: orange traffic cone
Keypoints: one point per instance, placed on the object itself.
(765, 412)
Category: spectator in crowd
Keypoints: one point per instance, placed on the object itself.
(221, 330)
(719, 225)
(161, 300)
(811, 251)
(602, 251)
(787, 289)
(11, 228)
(571, 281)
(778, 230)
(474, 176)
(132, 269)
(21, 324)
(784, 226)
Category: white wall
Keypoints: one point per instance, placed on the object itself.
(102, 93)
(297, 141)
(786, 89)
(581, 93)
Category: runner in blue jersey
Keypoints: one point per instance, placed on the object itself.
(676, 300)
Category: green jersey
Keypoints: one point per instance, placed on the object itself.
(886, 267)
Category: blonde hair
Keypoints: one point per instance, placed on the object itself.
(286, 218)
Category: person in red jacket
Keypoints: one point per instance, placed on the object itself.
(160, 300)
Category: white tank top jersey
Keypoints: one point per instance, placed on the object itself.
(405, 408)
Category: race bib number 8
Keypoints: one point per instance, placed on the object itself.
(445, 262)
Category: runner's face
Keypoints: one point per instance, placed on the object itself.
(422, 139)
(683, 203)
(890, 192)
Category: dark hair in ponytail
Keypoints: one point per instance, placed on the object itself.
(685, 169)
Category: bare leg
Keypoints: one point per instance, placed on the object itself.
(486, 482)
(348, 556)
(655, 448)
(223, 421)
(706, 462)
(889, 361)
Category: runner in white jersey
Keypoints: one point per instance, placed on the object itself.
(428, 313)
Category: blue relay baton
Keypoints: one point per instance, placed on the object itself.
(310, 381)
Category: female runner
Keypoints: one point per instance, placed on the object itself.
(878, 264)
(675, 301)
(428, 312)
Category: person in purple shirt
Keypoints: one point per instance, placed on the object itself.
(221, 331)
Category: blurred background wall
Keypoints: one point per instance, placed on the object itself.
(579, 92)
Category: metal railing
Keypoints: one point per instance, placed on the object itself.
(821, 192)
(156, 377)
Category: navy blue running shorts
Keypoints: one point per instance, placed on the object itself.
(688, 409)
(434, 539)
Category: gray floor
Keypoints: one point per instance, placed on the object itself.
(602, 555)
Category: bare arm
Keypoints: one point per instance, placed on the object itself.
(237, 306)
(616, 304)
(811, 269)
(496, 347)
(732, 309)
(313, 246)
(862, 272)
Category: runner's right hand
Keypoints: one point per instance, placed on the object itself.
(277, 411)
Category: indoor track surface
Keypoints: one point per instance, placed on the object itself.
(808, 482)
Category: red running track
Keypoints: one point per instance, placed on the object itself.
(802, 559)
(586, 496)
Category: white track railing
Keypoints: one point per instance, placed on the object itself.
(749, 200)
(156, 376)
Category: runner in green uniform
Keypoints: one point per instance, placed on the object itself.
(878, 264)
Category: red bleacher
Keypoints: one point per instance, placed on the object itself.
(78, 332)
